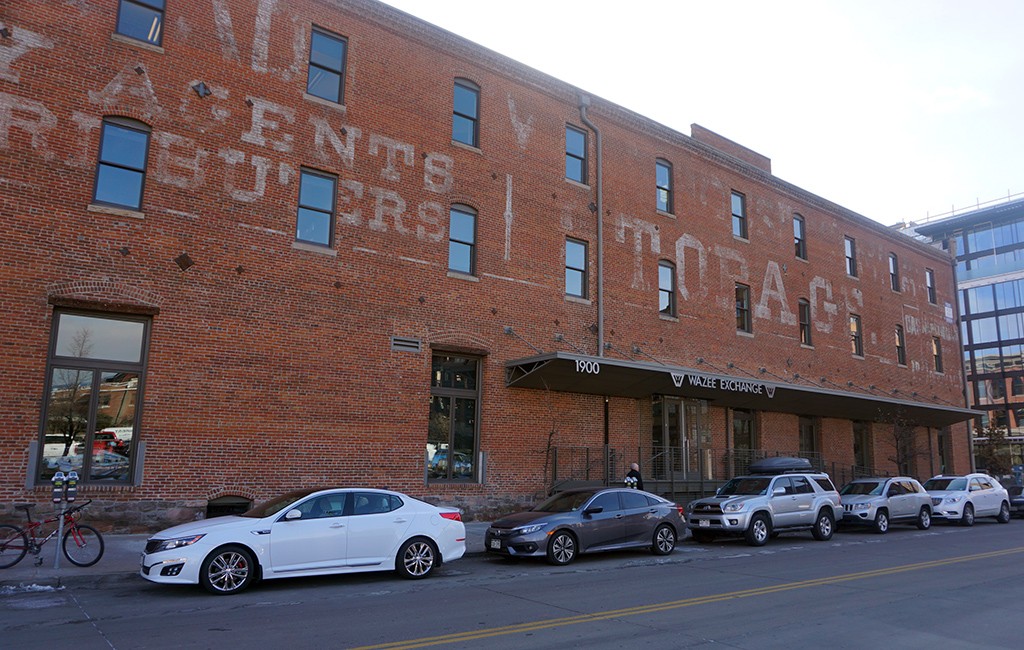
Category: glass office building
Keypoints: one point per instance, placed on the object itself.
(989, 247)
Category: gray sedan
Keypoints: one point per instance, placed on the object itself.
(587, 521)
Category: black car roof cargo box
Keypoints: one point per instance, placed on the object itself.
(780, 465)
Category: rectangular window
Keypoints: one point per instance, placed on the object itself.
(800, 236)
(804, 315)
(462, 240)
(452, 430)
(929, 283)
(327, 66)
(901, 346)
(744, 435)
(739, 215)
(576, 268)
(862, 446)
(894, 272)
(808, 435)
(315, 223)
(743, 323)
(856, 336)
(465, 113)
(663, 181)
(575, 154)
(121, 170)
(667, 288)
(937, 353)
(94, 377)
(851, 256)
(141, 19)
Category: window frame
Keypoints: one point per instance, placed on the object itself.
(744, 320)
(901, 346)
(340, 71)
(850, 250)
(740, 227)
(471, 212)
(157, 7)
(856, 329)
(451, 394)
(937, 354)
(582, 157)
(97, 367)
(126, 124)
(929, 282)
(667, 294)
(583, 272)
(894, 272)
(331, 215)
(665, 190)
(803, 309)
(473, 120)
(800, 237)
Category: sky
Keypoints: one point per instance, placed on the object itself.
(900, 110)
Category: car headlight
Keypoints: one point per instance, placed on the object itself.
(860, 506)
(954, 499)
(732, 507)
(527, 530)
(170, 544)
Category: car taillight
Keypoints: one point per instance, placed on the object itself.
(681, 509)
(454, 516)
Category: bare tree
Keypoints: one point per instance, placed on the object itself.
(993, 454)
(901, 440)
(68, 414)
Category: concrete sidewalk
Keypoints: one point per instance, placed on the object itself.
(120, 560)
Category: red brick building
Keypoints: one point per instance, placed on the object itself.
(250, 246)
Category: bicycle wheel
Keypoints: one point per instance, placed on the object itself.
(83, 545)
(13, 545)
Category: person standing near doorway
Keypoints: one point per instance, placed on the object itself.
(633, 478)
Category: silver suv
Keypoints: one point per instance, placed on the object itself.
(877, 502)
(780, 495)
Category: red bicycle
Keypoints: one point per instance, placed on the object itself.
(82, 544)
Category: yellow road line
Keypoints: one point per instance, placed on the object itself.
(675, 604)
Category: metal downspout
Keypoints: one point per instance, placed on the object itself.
(584, 103)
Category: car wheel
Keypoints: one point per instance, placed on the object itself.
(1004, 513)
(561, 548)
(824, 527)
(924, 519)
(758, 531)
(967, 519)
(416, 559)
(881, 522)
(664, 540)
(227, 570)
(702, 537)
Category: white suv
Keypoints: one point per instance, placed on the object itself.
(780, 495)
(964, 498)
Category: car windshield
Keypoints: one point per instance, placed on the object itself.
(564, 502)
(863, 487)
(277, 504)
(745, 485)
(944, 483)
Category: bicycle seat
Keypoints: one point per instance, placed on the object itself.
(24, 506)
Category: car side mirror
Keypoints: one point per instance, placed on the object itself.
(593, 511)
(294, 513)
(779, 492)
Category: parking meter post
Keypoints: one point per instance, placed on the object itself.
(60, 482)
(58, 487)
(71, 490)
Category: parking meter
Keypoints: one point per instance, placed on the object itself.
(58, 486)
(72, 486)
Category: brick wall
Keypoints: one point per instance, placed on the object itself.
(270, 364)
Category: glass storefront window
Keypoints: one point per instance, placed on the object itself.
(92, 406)
(452, 431)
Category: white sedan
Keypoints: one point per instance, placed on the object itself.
(307, 533)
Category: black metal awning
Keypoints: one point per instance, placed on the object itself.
(575, 373)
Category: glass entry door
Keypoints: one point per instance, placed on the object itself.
(678, 437)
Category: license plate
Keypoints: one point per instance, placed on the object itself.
(705, 523)
(496, 544)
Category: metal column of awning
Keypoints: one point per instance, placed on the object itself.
(575, 373)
